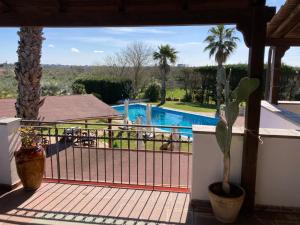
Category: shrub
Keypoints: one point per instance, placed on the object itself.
(108, 90)
(152, 92)
(78, 88)
(187, 97)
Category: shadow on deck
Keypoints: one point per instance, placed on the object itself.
(68, 204)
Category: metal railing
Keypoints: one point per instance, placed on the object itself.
(141, 156)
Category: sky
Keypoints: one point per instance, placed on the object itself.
(90, 46)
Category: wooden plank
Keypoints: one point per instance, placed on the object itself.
(104, 201)
(146, 213)
(283, 41)
(92, 204)
(140, 204)
(288, 24)
(278, 53)
(91, 19)
(127, 198)
(179, 208)
(185, 210)
(156, 213)
(168, 209)
(60, 198)
(129, 207)
(252, 117)
(113, 202)
(86, 200)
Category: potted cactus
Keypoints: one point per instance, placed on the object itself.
(227, 198)
(30, 159)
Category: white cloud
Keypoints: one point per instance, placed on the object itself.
(96, 39)
(75, 50)
(51, 46)
(98, 51)
(120, 30)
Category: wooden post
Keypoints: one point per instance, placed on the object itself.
(110, 144)
(252, 117)
(268, 76)
(277, 54)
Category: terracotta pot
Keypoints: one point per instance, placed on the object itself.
(226, 207)
(30, 166)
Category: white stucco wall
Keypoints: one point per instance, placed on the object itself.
(9, 143)
(278, 167)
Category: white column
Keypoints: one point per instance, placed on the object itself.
(140, 142)
(9, 143)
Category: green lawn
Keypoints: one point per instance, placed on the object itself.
(188, 106)
(175, 93)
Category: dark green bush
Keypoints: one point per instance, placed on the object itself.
(187, 97)
(152, 92)
(108, 90)
(78, 88)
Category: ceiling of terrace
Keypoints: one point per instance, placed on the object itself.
(64, 13)
(284, 28)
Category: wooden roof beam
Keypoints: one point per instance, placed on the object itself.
(288, 24)
(62, 5)
(71, 19)
(4, 6)
(185, 4)
(121, 5)
(283, 42)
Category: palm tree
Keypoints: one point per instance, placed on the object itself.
(221, 43)
(28, 72)
(165, 54)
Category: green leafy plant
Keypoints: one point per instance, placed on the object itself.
(29, 138)
(152, 91)
(233, 99)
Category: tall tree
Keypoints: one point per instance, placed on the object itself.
(221, 43)
(137, 55)
(28, 72)
(165, 55)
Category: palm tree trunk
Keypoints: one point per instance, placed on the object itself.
(28, 72)
(163, 88)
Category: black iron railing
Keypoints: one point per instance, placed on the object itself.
(150, 157)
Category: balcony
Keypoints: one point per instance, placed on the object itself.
(95, 175)
(58, 203)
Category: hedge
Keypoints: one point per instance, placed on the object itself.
(108, 90)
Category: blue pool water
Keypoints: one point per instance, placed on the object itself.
(161, 116)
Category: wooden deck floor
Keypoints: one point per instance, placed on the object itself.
(57, 203)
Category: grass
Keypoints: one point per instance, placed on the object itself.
(189, 106)
(175, 93)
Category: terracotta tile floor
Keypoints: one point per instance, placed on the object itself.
(79, 204)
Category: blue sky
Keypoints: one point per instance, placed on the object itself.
(90, 46)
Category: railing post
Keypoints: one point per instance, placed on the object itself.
(57, 154)
(10, 142)
(110, 144)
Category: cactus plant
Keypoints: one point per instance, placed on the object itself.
(233, 99)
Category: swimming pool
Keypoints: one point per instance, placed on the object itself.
(167, 117)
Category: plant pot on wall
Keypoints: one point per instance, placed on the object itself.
(30, 166)
(226, 207)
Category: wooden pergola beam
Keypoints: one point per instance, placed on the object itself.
(70, 19)
(287, 25)
(283, 42)
(252, 118)
(62, 5)
(4, 6)
(275, 71)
